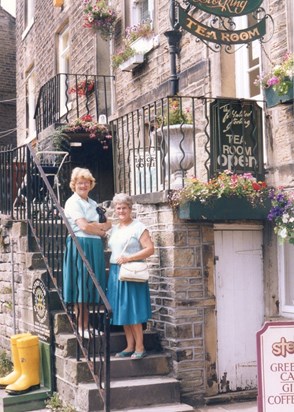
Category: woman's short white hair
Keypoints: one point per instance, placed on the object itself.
(81, 173)
(120, 198)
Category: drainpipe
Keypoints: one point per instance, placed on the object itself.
(173, 36)
(12, 285)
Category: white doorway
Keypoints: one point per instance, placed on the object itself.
(239, 304)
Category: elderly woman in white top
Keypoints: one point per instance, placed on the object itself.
(130, 301)
(80, 210)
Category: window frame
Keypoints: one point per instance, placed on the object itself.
(29, 16)
(284, 252)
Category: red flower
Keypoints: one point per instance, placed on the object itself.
(87, 118)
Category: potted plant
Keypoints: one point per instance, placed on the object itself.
(226, 196)
(132, 53)
(176, 128)
(100, 17)
(282, 214)
(278, 82)
(83, 87)
(87, 127)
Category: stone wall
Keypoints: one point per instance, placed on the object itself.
(279, 120)
(7, 78)
(18, 270)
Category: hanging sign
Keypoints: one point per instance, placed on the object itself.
(275, 367)
(236, 137)
(230, 37)
(227, 8)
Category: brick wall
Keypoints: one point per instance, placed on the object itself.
(7, 78)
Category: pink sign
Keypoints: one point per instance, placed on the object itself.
(275, 363)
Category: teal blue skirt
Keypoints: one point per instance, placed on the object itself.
(130, 301)
(78, 286)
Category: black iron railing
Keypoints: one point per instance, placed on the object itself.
(66, 97)
(157, 146)
(27, 193)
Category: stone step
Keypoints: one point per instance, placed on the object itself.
(66, 340)
(131, 393)
(170, 407)
(76, 372)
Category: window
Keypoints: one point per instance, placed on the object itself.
(247, 64)
(142, 10)
(30, 104)
(63, 66)
(286, 265)
(29, 11)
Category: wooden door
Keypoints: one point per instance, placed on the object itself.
(239, 303)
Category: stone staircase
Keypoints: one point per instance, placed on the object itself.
(136, 385)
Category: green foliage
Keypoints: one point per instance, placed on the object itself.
(122, 55)
(5, 364)
(175, 113)
(55, 404)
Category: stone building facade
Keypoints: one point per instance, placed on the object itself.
(7, 79)
(185, 284)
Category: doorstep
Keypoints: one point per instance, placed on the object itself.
(34, 400)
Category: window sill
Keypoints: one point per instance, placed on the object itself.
(27, 29)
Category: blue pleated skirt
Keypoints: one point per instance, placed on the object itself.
(130, 301)
(78, 286)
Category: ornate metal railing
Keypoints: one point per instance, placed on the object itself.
(27, 193)
(157, 146)
(66, 97)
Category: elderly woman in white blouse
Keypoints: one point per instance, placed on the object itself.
(130, 301)
(80, 210)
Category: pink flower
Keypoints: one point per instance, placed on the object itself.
(272, 81)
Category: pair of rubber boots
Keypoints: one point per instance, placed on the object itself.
(26, 365)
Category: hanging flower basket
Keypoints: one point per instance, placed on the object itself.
(100, 17)
(273, 98)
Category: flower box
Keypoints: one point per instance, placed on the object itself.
(225, 208)
(132, 62)
(143, 45)
(273, 99)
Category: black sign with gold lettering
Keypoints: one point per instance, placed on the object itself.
(236, 137)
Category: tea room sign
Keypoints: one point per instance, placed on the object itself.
(227, 8)
(224, 10)
(236, 137)
(275, 362)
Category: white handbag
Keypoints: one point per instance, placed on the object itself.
(133, 271)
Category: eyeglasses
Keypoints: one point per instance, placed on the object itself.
(85, 183)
